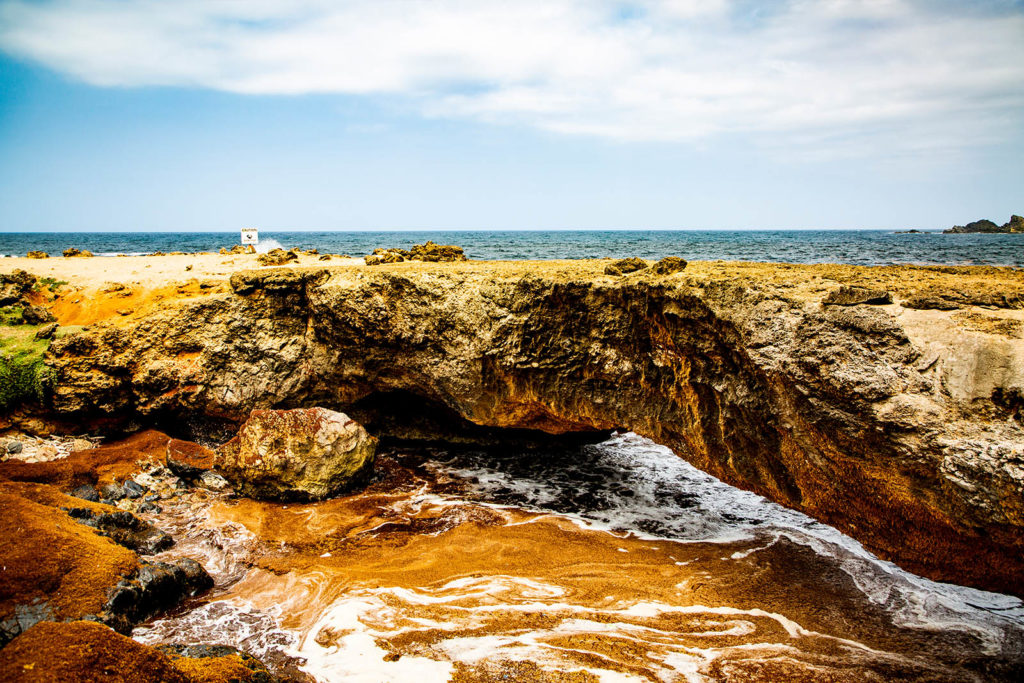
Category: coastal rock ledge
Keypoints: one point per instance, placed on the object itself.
(900, 426)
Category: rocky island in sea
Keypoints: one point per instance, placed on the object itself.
(1014, 225)
(417, 466)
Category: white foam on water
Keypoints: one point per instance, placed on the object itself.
(355, 656)
(267, 244)
(630, 485)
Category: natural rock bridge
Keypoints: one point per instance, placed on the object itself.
(899, 425)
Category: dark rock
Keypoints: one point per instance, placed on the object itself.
(149, 507)
(124, 528)
(46, 331)
(86, 492)
(1015, 224)
(132, 489)
(156, 587)
(15, 447)
(852, 296)
(668, 265)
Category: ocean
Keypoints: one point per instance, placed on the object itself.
(858, 247)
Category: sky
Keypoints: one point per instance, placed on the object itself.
(155, 115)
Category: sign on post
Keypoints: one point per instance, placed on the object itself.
(250, 236)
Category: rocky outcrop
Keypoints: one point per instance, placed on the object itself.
(901, 427)
(305, 454)
(851, 296)
(1015, 224)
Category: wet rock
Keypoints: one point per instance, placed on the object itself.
(258, 673)
(86, 492)
(46, 331)
(125, 529)
(668, 265)
(213, 481)
(852, 296)
(156, 587)
(302, 454)
(188, 460)
(625, 266)
(132, 489)
(112, 491)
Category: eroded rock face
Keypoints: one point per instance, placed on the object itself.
(880, 420)
(306, 454)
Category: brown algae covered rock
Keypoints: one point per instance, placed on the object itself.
(85, 651)
(53, 568)
(304, 454)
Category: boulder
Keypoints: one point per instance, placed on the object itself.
(37, 315)
(851, 296)
(626, 265)
(37, 254)
(187, 459)
(277, 257)
(81, 253)
(305, 454)
(14, 286)
(429, 251)
(668, 265)
(46, 331)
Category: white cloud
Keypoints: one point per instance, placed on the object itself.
(885, 72)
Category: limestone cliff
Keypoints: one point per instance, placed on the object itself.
(900, 425)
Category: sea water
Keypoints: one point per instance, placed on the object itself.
(612, 562)
(859, 247)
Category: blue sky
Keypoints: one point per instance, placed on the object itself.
(195, 115)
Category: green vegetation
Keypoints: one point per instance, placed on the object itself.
(11, 315)
(50, 283)
(23, 376)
